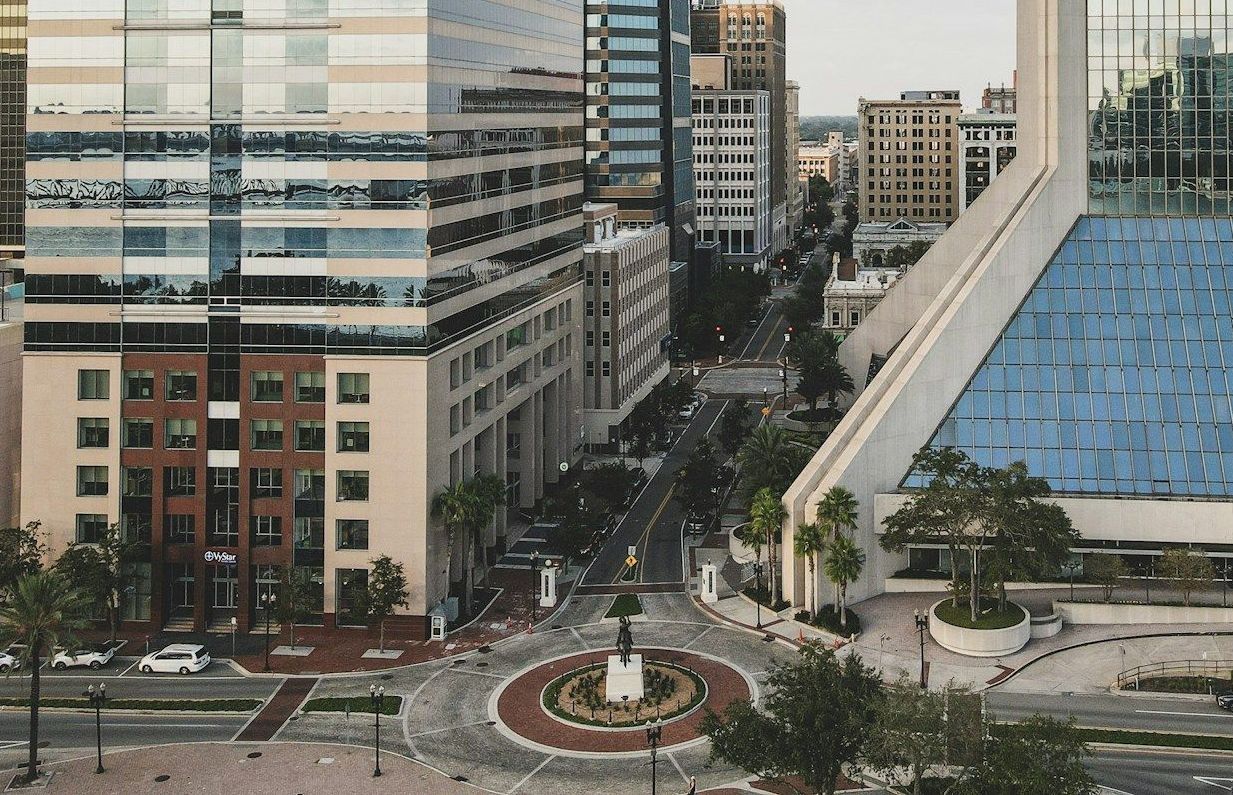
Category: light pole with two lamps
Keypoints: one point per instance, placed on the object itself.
(97, 697)
(922, 624)
(534, 584)
(758, 590)
(376, 696)
(268, 600)
(654, 731)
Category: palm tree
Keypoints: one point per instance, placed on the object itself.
(468, 506)
(844, 562)
(837, 514)
(768, 459)
(455, 507)
(766, 515)
(808, 542)
(42, 613)
(835, 380)
(488, 492)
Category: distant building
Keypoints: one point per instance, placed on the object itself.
(909, 155)
(852, 292)
(795, 199)
(732, 171)
(1001, 99)
(872, 242)
(988, 142)
(625, 340)
(816, 159)
(10, 405)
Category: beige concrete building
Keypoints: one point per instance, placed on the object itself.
(872, 242)
(909, 156)
(289, 279)
(625, 326)
(795, 198)
(851, 293)
(10, 409)
(1006, 340)
(816, 159)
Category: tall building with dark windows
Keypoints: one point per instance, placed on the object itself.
(639, 153)
(12, 129)
(295, 268)
(1078, 317)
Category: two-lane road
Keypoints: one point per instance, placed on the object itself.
(1171, 715)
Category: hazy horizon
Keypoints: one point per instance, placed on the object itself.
(839, 52)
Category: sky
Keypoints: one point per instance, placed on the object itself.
(841, 50)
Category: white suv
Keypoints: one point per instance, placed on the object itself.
(182, 658)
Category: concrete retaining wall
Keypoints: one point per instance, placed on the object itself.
(1101, 613)
(979, 642)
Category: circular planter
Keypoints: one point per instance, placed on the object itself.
(980, 642)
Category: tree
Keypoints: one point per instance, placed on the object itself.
(43, 612)
(294, 602)
(1038, 754)
(811, 383)
(735, 427)
(770, 460)
(816, 718)
(843, 565)
(387, 590)
(466, 508)
(99, 571)
(21, 552)
(915, 729)
(489, 494)
(808, 542)
(1104, 570)
(1189, 571)
(837, 514)
(817, 346)
(695, 480)
(766, 515)
(835, 381)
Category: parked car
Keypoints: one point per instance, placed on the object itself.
(95, 657)
(1225, 701)
(688, 412)
(9, 660)
(182, 658)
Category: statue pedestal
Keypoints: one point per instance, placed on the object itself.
(624, 680)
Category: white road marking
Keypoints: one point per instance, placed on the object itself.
(1185, 714)
(529, 776)
(1222, 783)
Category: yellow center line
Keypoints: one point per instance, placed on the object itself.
(642, 539)
(770, 337)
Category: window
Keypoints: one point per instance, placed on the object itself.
(310, 435)
(138, 432)
(93, 432)
(267, 387)
(136, 527)
(352, 485)
(180, 434)
(353, 437)
(139, 385)
(93, 385)
(267, 531)
(91, 527)
(267, 434)
(352, 533)
(266, 482)
(352, 585)
(180, 481)
(181, 385)
(353, 387)
(310, 387)
(91, 481)
(137, 481)
(309, 484)
(179, 528)
(309, 532)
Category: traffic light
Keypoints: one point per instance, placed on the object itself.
(719, 329)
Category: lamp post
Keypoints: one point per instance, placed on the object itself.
(783, 374)
(268, 600)
(534, 588)
(654, 730)
(1072, 567)
(758, 590)
(97, 697)
(922, 623)
(376, 696)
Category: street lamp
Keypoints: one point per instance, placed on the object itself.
(654, 730)
(1072, 567)
(268, 600)
(234, 625)
(534, 577)
(783, 374)
(922, 623)
(376, 696)
(97, 697)
(758, 590)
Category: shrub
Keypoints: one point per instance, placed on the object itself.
(828, 619)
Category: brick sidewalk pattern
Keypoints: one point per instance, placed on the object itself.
(282, 705)
(520, 709)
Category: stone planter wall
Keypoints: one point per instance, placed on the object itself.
(1101, 613)
(979, 642)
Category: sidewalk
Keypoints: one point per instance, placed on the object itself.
(278, 769)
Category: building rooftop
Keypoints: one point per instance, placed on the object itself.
(901, 225)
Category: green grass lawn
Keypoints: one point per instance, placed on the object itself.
(390, 706)
(625, 604)
(990, 617)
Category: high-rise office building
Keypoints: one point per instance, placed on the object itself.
(12, 129)
(1077, 317)
(753, 34)
(638, 135)
(795, 200)
(909, 155)
(293, 270)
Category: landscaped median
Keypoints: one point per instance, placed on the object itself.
(1202, 742)
(144, 704)
(390, 704)
(994, 633)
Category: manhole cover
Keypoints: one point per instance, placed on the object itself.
(457, 663)
(555, 626)
(491, 723)
(481, 665)
(485, 649)
(255, 755)
(162, 778)
(387, 676)
(461, 778)
(294, 717)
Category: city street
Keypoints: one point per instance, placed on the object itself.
(1143, 713)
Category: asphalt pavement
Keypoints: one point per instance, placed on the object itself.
(124, 681)
(1134, 771)
(1164, 714)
